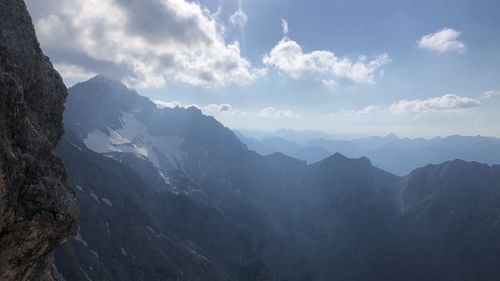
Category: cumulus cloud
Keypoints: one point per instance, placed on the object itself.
(447, 102)
(238, 19)
(277, 113)
(444, 40)
(141, 42)
(322, 66)
(208, 109)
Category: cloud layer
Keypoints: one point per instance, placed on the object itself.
(142, 42)
(447, 102)
(146, 43)
(444, 40)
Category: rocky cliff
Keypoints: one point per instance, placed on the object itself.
(38, 209)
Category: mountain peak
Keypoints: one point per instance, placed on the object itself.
(112, 84)
(392, 136)
(100, 78)
(339, 158)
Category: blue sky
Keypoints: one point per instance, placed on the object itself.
(416, 68)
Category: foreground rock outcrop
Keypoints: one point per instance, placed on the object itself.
(38, 209)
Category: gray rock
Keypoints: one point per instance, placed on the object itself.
(38, 209)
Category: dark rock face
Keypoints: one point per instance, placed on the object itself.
(38, 209)
(451, 222)
(121, 237)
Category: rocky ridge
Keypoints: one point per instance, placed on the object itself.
(38, 208)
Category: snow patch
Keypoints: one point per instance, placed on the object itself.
(76, 146)
(79, 187)
(107, 202)
(150, 229)
(96, 254)
(134, 137)
(94, 196)
(78, 237)
(86, 275)
(107, 228)
(165, 178)
(198, 254)
(124, 252)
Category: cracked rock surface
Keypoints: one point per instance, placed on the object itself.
(38, 208)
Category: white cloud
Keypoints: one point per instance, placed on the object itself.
(284, 26)
(208, 109)
(74, 71)
(278, 113)
(238, 19)
(367, 110)
(363, 111)
(142, 42)
(447, 102)
(442, 41)
(490, 94)
(213, 109)
(167, 104)
(322, 66)
(332, 84)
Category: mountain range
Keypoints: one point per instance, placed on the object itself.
(391, 153)
(171, 194)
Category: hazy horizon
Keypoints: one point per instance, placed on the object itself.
(258, 132)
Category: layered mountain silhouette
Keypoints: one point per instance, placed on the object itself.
(171, 194)
(397, 155)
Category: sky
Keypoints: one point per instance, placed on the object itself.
(415, 68)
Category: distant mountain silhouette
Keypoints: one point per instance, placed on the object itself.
(396, 155)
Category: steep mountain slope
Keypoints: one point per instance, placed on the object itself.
(209, 165)
(181, 174)
(38, 210)
(120, 237)
(347, 214)
(254, 144)
(257, 196)
(451, 221)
